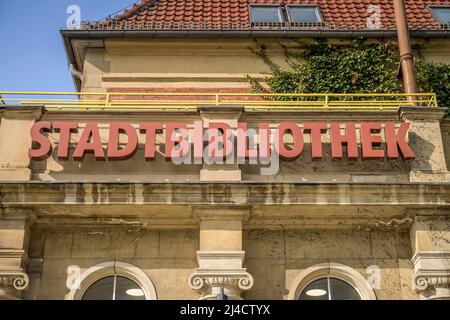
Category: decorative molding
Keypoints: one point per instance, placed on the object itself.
(422, 113)
(238, 278)
(20, 112)
(221, 213)
(14, 279)
(432, 273)
(431, 279)
(220, 269)
(111, 268)
(334, 270)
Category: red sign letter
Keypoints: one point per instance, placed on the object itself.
(369, 141)
(264, 141)
(85, 145)
(298, 142)
(150, 130)
(65, 129)
(395, 141)
(172, 140)
(114, 152)
(45, 146)
(316, 130)
(349, 139)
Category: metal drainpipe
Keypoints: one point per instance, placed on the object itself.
(406, 56)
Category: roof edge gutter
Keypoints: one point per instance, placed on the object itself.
(101, 34)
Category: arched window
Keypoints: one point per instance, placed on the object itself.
(331, 281)
(329, 289)
(113, 281)
(114, 288)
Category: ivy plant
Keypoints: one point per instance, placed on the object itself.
(435, 77)
(356, 67)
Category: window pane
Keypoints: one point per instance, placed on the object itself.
(265, 14)
(443, 14)
(304, 14)
(128, 290)
(341, 290)
(317, 290)
(100, 290)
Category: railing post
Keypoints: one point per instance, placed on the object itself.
(326, 101)
(217, 99)
(107, 104)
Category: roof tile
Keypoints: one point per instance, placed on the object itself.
(347, 14)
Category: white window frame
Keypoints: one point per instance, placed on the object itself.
(317, 7)
(267, 5)
(332, 270)
(109, 269)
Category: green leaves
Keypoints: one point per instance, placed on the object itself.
(435, 77)
(356, 67)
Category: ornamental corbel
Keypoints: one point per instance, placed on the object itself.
(221, 270)
(17, 280)
(432, 274)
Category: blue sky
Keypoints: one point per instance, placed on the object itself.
(32, 56)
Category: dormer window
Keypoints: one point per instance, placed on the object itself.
(442, 13)
(266, 14)
(261, 14)
(304, 14)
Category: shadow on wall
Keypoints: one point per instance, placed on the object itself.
(136, 168)
(426, 150)
(339, 170)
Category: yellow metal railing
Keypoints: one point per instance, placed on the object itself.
(191, 101)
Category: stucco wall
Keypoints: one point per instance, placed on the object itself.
(202, 63)
(276, 258)
(168, 257)
(446, 139)
(175, 63)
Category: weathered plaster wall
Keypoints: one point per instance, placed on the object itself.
(202, 63)
(168, 257)
(276, 258)
(175, 63)
(446, 140)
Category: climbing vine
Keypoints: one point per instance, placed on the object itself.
(356, 67)
(435, 77)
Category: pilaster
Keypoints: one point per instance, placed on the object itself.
(426, 140)
(15, 141)
(221, 258)
(431, 244)
(230, 116)
(13, 258)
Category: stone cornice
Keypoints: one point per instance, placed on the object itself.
(22, 112)
(260, 205)
(241, 193)
(422, 113)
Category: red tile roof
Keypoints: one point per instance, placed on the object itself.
(234, 14)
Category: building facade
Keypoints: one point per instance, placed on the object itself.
(83, 216)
